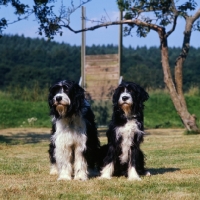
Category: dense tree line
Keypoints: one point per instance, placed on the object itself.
(26, 61)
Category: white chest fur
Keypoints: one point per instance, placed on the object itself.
(70, 132)
(127, 133)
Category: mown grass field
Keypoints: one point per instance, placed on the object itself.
(172, 158)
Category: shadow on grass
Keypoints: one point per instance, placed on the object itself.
(157, 171)
(21, 138)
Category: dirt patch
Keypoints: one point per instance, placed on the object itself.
(11, 131)
(165, 131)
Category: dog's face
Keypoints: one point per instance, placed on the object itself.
(129, 97)
(65, 97)
(125, 100)
(61, 99)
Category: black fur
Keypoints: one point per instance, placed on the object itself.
(78, 106)
(113, 149)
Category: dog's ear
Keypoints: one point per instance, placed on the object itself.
(50, 101)
(138, 93)
(77, 96)
(52, 91)
(116, 95)
(50, 97)
(142, 95)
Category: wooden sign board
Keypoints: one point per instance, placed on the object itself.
(101, 75)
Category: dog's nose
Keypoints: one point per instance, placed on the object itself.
(58, 98)
(124, 98)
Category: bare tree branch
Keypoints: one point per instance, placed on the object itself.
(173, 27)
(174, 10)
(20, 19)
(129, 22)
(195, 16)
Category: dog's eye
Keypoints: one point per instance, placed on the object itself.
(129, 90)
(55, 90)
(122, 89)
(66, 89)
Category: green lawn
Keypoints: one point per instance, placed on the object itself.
(172, 158)
(159, 111)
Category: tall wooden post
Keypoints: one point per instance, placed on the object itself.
(120, 42)
(82, 82)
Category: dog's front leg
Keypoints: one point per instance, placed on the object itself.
(132, 173)
(53, 167)
(80, 165)
(63, 160)
(108, 168)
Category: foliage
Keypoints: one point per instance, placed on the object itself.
(20, 10)
(172, 158)
(161, 13)
(158, 113)
(102, 111)
(27, 63)
(50, 23)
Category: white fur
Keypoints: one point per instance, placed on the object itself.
(107, 171)
(53, 170)
(132, 174)
(127, 133)
(65, 99)
(125, 94)
(70, 136)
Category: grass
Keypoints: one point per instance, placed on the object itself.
(16, 112)
(172, 158)
(159, 111)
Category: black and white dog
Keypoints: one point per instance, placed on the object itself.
(125, 133)
(74, 146)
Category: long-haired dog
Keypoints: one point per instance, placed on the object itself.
(74, 145)
(125, 133)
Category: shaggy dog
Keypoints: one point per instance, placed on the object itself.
(125, 133)
(74, 146)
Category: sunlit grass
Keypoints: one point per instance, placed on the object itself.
(172, 158)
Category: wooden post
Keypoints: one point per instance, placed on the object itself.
(82, 82)
(120, 41)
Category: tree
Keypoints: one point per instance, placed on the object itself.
(144, 16)
(147, 15)
(165, 13)
(50, 22)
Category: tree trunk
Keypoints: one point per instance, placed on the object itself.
(175, 91)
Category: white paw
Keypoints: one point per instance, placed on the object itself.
(133, 175)
(107, 171)
(53, 170)
(147, 173)
(81, 175)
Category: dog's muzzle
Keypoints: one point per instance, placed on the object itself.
(61, 109)
(61, 104)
